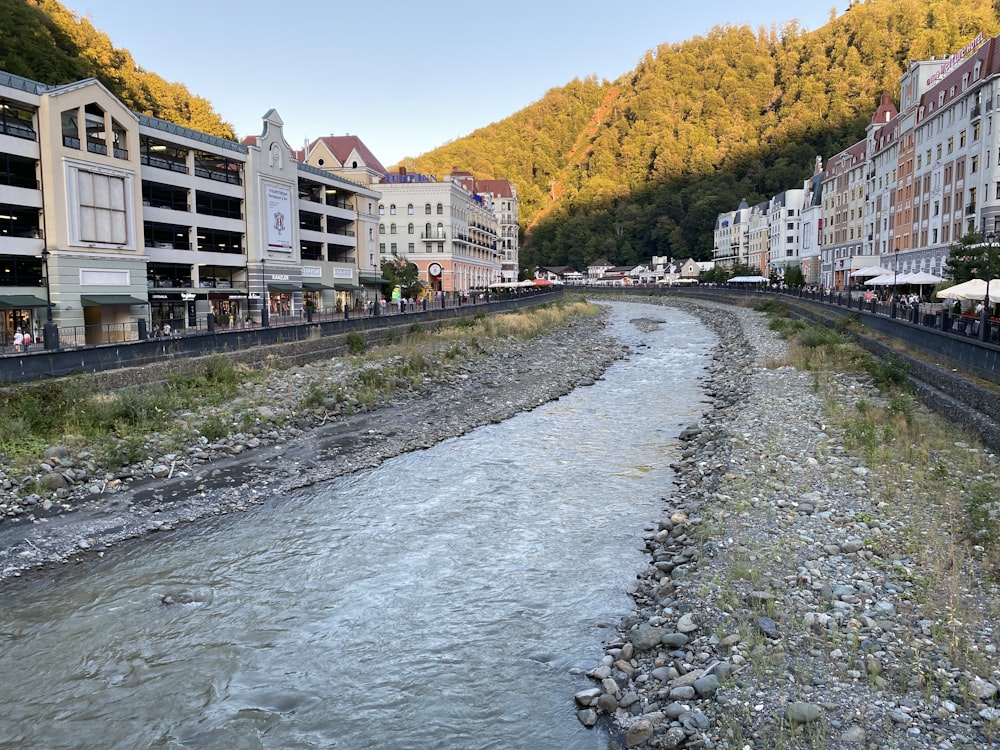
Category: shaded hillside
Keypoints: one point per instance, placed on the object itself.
(43, 41)
(529, 147)
(700, 124)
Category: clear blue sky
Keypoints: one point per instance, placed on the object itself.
(438, 70)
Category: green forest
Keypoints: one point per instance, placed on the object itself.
(643, 165)
(41, 40)
(622, 169)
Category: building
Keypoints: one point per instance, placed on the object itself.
(116, 223)
(445, 228)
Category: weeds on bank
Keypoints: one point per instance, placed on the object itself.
(948, 522)
(116, 424)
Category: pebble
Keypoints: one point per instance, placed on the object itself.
(805, 584)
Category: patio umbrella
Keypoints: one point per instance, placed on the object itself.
(883, 280)
(978, 290)
(959, 291)
(869, 272)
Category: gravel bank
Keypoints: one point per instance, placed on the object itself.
(795, 597)
(84, 510)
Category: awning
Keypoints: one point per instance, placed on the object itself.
(345, 286)
(372, 278)
(110, 300)
(276, 286)
(313, 286)
(21, 302)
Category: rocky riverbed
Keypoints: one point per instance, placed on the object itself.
(274, 444)
(796, 597)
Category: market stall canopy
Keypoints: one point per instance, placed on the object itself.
(748, 280)
(869, 272)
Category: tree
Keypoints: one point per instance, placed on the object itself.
(794, 277)
(973, 257)
(404, 274)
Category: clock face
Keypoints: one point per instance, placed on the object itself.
(434, 269)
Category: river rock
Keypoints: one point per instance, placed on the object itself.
(639, 733)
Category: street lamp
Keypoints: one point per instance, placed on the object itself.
(50, 331)
(985, 314)
(264, 321)
(895, 275)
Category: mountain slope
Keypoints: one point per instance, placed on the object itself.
(43, 41)
(700, 124)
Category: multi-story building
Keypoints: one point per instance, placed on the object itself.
(925, 176)
(505, 204)
(784, 221)
(812, 225)
(114, 222)
(444, 227)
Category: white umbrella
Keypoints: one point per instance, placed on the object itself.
(884, 280)
(960, 291)
(922, 277)
(869, 272)
(978, 291)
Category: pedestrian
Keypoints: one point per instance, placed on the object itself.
(27, 339)
(166, 329)
(18, 340)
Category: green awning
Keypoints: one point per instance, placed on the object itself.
(313, 286)
(345, 286)
(110, 300)
(276, 286)
(372, 278)
(21, 302)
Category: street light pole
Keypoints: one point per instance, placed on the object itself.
(895, 275)
(264, 320)
(50, 331)
(985, 314)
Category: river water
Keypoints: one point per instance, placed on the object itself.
(439, 601)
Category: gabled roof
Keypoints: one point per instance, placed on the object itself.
(501, 188)
(600, 262)
(342, 146)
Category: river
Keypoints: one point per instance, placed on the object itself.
(443, 600)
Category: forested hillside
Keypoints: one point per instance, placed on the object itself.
(43, 41)
(700, 124)
(626, 169)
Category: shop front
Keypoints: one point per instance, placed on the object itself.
(24, 311)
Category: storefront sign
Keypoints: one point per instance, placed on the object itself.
(278, 214)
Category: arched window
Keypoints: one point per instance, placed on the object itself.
(409, 229)
(440, 208)
(381, 228)
(392, 209)
(381, 209)
(392, 229)
(440, 230)
(427, 208)
(427, 228)
(409, 209)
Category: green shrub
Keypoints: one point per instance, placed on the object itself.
(356, 343)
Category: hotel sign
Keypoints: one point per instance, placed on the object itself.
(955, 59)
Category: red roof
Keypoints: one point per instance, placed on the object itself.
(500, 188)
(341, 146)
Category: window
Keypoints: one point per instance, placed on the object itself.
(392, 209)
(16, 120)
(427, 208)
(71, 128)
(102, 205)
(974, 166)
(961, 139)
(381, 249)
(392, 229)
(427, 226)
(409, 209)
(392, 248)
(381, 210)
(951, 145)
(409, 248)
(409, 229)
(440, 208)
(381, 228)
(96, 132)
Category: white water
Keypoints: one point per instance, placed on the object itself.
(439, 601)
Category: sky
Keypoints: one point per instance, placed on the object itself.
(403, 75)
